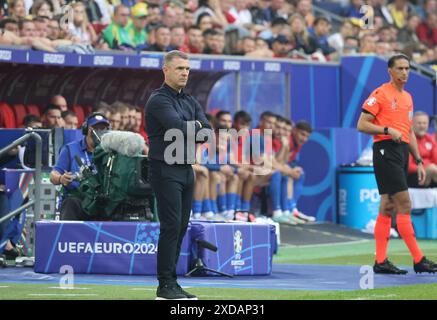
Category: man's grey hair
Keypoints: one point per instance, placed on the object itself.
(420, 113)
(169, 56)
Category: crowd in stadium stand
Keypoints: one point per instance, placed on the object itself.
(253, 28)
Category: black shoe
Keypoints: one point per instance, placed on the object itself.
(425, 265)
(11, 254)
(387, 268)
(187, 294)
(169, 292)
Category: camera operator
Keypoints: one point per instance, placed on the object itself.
(69, 170)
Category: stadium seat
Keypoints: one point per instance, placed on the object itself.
(79, 110)
(8, 116)
(33, 109)
(20, 112)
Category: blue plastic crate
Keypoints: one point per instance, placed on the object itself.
(425, 223)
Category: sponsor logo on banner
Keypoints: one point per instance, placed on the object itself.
(106, 248)
(195, 64)
(272, 67)
(103, 61)
(149, 62)
(232, 65)
(5, 55)
(54, 58)
(371, 195)
(238, 247)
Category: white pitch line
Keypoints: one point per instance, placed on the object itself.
(4, 287)
(324, 244)
(142, 289)
(61, 294)
(69, 288)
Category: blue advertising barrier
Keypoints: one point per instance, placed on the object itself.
(358, 197)
(131, 247)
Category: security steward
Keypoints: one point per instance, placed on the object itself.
(67, 167)
(169, 110)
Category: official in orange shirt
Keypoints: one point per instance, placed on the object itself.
(387, 115)
(428, 152)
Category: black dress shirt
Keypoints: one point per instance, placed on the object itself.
(168, 109)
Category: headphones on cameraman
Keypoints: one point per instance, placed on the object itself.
(84, 127)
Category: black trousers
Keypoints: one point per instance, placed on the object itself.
(71, 209)
(173, 186)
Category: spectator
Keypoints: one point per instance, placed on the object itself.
(32, 121)
(70, 120)
(103, 108)
(382, 15)
(353, 11)
(427, 30)
(123, 109)
(305, 9)
(188, 19)
(95, 12)
(428, 6)
(351, 45)
(208, 36)
(322, 28)
(214, 10)
(80, 28)
(347, 29)
(42, 8)
(169, 18)
(28, 36)
(10, 25)
(241, 13)
(204, 22)
(51, 117)
(116, 34)
(137, 28)
(16, 9)
(154, 16)
(281, 46)
(162, 40)
(41, 26)
(53, 29)
(428, 153)
(177, 35)
(275, 10)
(303, 41)
(407, 36)
(195, 42)
(59, 101)
(368, 44)
(278, 25)
(247, 45)
(115, 119)
(399, 10)
(218, 44)
(383, 49)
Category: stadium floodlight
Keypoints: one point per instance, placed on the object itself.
(199, 266)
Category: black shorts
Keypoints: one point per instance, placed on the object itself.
(390, 162)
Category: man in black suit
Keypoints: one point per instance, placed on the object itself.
(172, 112)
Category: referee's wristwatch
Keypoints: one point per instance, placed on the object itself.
(386, 130)
(419, 161)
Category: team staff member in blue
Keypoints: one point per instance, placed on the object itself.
(169, 107)
(66, 166)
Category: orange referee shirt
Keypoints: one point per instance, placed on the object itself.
(392, 109)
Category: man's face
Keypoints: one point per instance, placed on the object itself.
(322, 28)
(301, 136)
(139, 119)
(53, 119)
(400, 71)
(60, 102)
(195, 38)
(268, 122)
(176, 72)
(122, 16)
(140, 22)
(188, 19)
(205, 23)
(169, 18)
(241, 125)
(132, 119)
(98, 127)
(248, 45)
(115, 120)
(280, 49)
(125, 120)
(41, 29)
(420, 125)
(71, 122)
(163, 37)
(177, 37)
(53, 32)
(28, 30)
(12, 27)
(225, 121)
(278, 129)
(154, 15)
